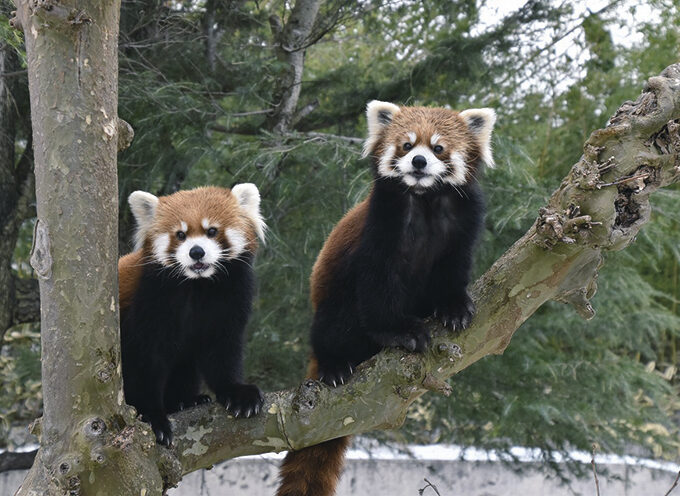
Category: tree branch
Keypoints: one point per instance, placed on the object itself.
(26, 301)
(557, 259)
(289, 40)
(12, 460)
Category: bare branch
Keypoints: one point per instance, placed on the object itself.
(12, 460)
(13, 73)
(592, 464)
(675, 484)
(26, 301)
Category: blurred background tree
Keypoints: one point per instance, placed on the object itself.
(209, 88)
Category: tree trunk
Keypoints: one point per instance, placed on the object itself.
(211, 35)
(91, 442)
(291, 42)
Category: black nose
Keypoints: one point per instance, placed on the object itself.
(419, 162)
(196, 252)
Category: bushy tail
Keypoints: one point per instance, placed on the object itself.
(313, 471)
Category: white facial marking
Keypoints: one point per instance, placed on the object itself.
(160, 248)
(204, 266)
(411, 137)
(237, 242)
(435, 137)
(385, 167)
(435, 170)
(205, 223)
(458, 175)
(183, 226)
(428, 175)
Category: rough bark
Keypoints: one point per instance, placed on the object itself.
(91, 442)
(291, 42)
(601, 205)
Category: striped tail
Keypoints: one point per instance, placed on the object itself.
(313, 471)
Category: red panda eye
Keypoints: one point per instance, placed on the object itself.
(438, 149)
(181, 235)
(407, 146)
(212, 232)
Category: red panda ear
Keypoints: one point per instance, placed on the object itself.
(378, 115)
(143, 206)
(480, 123)
(248, 198)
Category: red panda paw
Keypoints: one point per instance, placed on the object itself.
(161, 428)
(416, 337)
(242, 400)
(457, 315)
(335, 373)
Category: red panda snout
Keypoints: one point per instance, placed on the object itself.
(421, 167)
(198, 256)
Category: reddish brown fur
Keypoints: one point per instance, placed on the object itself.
(129, 272)
(219, 205)
(343, 238)
(313, 471)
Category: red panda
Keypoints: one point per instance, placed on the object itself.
(185, 298)
(399, 256)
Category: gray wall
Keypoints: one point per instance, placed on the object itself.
(257, 477)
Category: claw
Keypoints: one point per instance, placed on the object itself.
(334, 383)
(342, 380)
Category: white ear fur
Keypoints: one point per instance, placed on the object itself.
(143, 206)
(378, 115)
(480, 123)
(248, 198)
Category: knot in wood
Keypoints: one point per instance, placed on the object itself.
(306, 396)
(450, 350)
(550, 225)
(94, 427)
(41, 256)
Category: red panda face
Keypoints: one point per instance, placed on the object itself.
(194, 233)
(424, 147)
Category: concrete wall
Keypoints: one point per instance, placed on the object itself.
(405, 478)
(402, 477)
